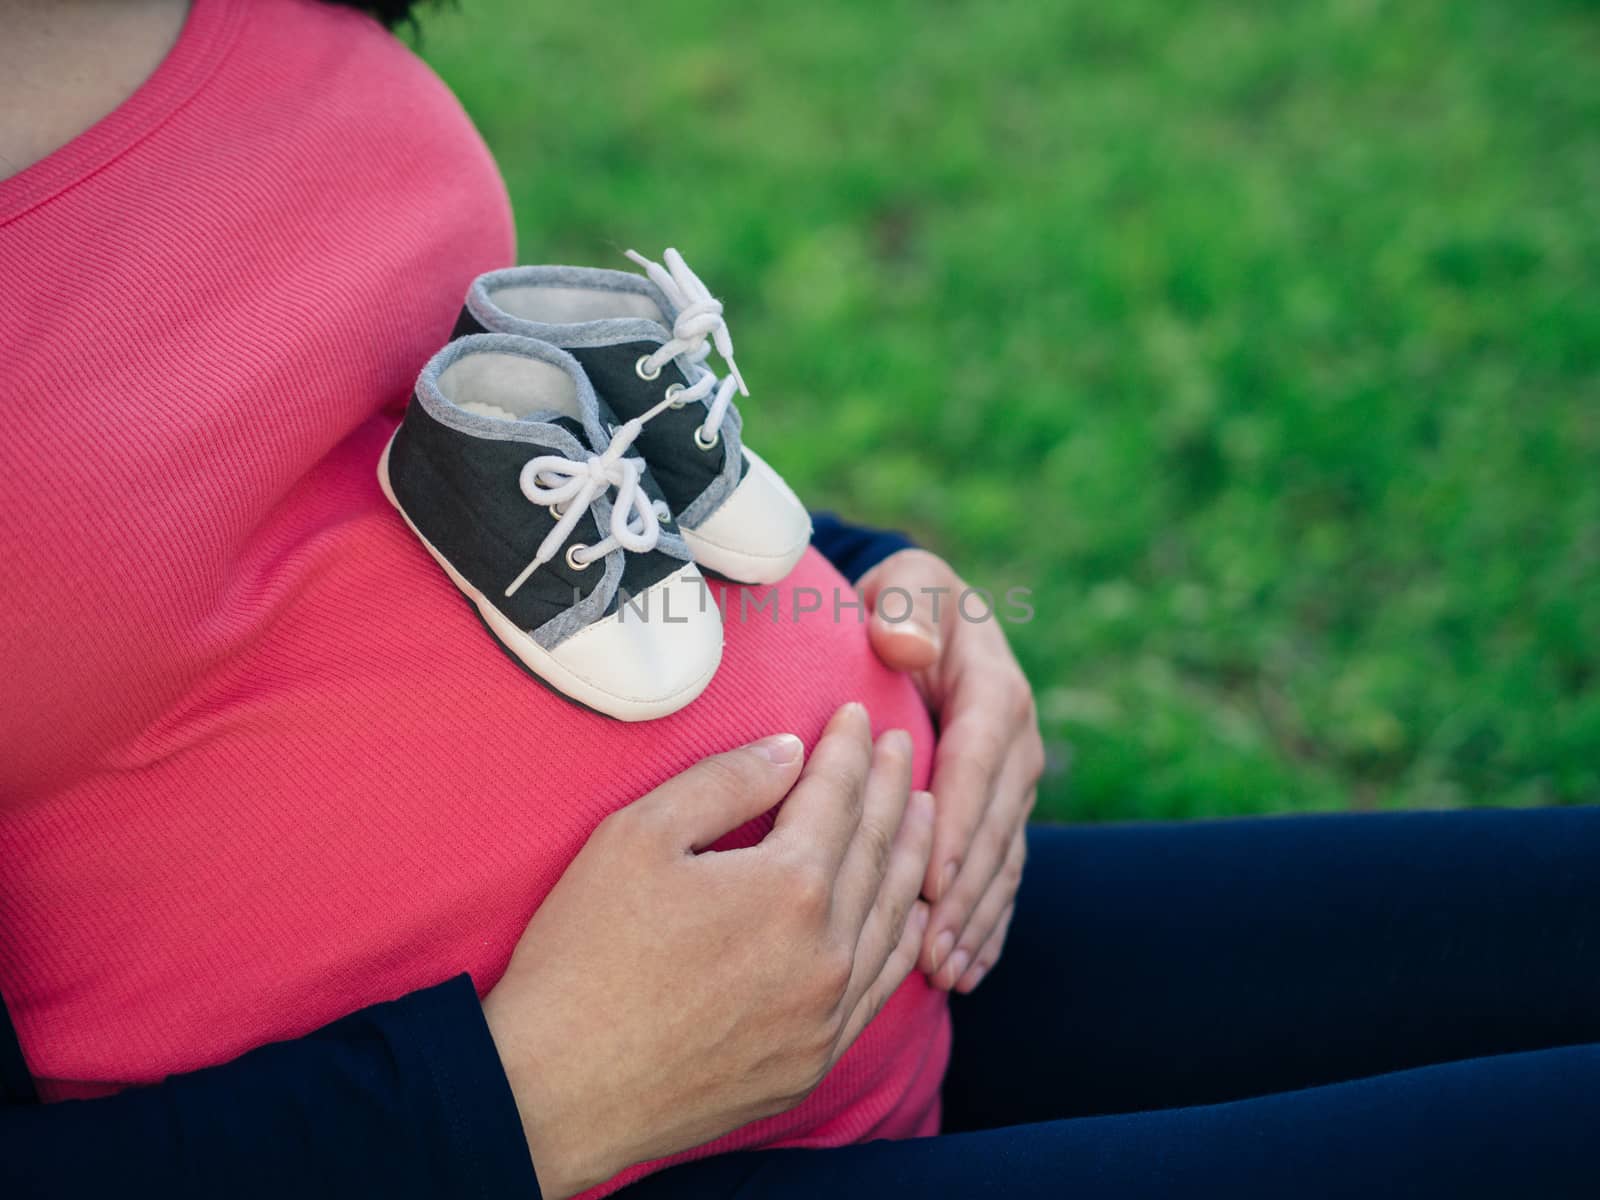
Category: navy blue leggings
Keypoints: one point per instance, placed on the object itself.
(1371, 1006)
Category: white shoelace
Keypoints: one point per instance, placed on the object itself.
(568, 486)
(698, 327)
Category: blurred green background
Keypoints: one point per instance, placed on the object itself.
(1262, 341)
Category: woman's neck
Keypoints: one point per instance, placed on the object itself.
(65, 64)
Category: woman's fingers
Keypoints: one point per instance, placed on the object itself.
(883, 806)
(988, 954)
(955, 925)
(1002, 890)
(902, 593)
(883, 931)
(966, 759)
(820, 817)
(853, 812)
(900, 962)
(984, 850)
(718, 794)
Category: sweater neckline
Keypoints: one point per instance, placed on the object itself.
(208, 33)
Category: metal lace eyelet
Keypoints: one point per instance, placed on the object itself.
(700, 439)
(573, 560)
(663, 513)
(643, 371)
(673, 391)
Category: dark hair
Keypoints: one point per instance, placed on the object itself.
(390, 12)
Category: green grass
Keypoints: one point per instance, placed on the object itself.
(1262, 341)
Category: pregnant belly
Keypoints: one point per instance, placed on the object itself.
(369, 797)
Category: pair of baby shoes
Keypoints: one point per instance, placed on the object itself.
(568, 460)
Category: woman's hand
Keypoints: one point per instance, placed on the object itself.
(661, 998)
(986, 765)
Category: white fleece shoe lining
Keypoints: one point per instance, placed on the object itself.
(574, 306)
(509, 387)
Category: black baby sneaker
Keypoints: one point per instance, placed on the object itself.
(510, 472)
(642, 340)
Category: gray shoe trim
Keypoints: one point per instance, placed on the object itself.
(609, 332)
(540, 433)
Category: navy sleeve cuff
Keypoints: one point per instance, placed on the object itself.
(402, 1100)
(460, 1090)
(854, 549)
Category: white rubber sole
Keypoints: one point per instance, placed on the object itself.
(542, 662)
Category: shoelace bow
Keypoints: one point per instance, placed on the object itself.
(698, 327)
(568, 485)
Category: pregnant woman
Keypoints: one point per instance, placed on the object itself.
(306, 890)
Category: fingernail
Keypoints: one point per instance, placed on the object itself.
(941, 947)
(915, 625)
(779, 749)
(854, 710)
(973, 980)
(922, 805)
(958, 966)
(919, 919)
(897, 740)
(948, 878)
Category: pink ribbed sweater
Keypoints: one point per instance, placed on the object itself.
(259, 765)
